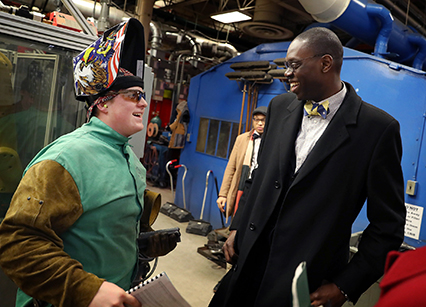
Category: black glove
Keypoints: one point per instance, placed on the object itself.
(158, 243)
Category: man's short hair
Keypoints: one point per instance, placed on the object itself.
(323, 41)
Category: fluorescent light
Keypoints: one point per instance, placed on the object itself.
(230, 16)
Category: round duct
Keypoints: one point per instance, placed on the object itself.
(265, 30)
(267, 22)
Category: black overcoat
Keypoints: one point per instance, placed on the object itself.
(357, 158)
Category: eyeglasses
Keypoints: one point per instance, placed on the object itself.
(133, 95)
(295, 64)
(259, 120)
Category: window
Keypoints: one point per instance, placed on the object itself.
(216, 137)
(37, 104)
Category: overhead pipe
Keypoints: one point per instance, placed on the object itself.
(114, 16)
(418, 40)
(156, 41)
(87, 8)
(96, 10)
(217, 48)
(372, 24)
(402, 14)
(79, 18)
(22, 11)
(385, 17)
(103, 23)
(177, 53)
(157, 35)
(181, 37)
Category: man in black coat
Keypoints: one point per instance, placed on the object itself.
(324, 152)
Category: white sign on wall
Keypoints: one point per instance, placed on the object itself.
(413, 221)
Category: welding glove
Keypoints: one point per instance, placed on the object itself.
(158, 243)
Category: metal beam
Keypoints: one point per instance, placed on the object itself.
(29, 29)
(75, 12)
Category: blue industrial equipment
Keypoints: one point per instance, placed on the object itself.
(373, 24)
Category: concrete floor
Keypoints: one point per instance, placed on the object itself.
(193, 275)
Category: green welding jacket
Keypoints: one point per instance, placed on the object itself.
(93, 165)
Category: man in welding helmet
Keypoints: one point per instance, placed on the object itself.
(70, 235)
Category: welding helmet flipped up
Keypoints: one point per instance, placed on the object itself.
(97, 67)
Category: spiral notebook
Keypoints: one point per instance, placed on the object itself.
(158, 292)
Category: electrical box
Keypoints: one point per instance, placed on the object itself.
(411, 187)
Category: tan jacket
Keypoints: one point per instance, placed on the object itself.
(231, 177)
(179, 126)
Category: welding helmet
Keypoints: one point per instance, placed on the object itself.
(97, 67)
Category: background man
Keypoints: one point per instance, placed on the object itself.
(242, 161)
(315, 173)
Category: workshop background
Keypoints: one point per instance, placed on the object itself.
(203, 78)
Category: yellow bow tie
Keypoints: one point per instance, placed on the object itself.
(315, 109)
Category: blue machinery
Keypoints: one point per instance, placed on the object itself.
(396, 88)
(374, 25)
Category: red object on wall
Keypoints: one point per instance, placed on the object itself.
(163, 109)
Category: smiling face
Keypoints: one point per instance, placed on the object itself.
(124, 113)
(305, 75)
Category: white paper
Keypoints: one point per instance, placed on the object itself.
(413, 221)
(159, 292)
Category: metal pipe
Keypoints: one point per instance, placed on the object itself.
(401, 13)
(157, 35)
(103, 23)
(177, 53)
(179, 84)
(177, 67)
(205, 193)
(218, 48)
(386, 19)
(87, 8)
(420, 41)
(78, 16)
(94, 9)
(171, 177)
(103, 12)
(175, 92)
(325, 11)
(115, 15)
(195, 47)
(183, 183)
(156, 41)
(359, 19)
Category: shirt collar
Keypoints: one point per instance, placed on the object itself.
(106, 132)
(336, 100)
(257, 133)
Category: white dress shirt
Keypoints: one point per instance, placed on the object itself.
(256, 145)
(314, 126)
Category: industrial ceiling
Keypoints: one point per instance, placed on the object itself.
(273, 20)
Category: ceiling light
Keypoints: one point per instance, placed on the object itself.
(230, 16)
